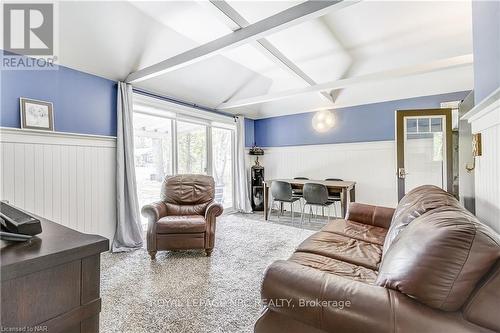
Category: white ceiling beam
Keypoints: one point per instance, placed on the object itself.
(231, 13)
(362, 79)
(266, 47)
(288, 65)
(280, 21)
(334, 94)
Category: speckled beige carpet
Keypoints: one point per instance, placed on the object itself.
(187, 292)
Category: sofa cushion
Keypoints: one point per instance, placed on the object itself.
(439, 258)
(369, 214)
(343, 248)
(180, 224)
(361, 231)
(414, 204)
(334, 266)
(306, 290)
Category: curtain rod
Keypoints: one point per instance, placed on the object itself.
(179, 102)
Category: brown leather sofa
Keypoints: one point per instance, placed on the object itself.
(185, 216)
(427, 266)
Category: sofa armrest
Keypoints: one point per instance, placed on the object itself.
(153, 212)
(368, 214)
(326, 301)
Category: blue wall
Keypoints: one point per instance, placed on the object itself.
(486, 43)
(370, 122)
(249, 132)
(83, 103)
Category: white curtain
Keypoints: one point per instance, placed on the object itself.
(242, 203)
(128, 234)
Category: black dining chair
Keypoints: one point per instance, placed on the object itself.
(335, 196)
(315, 195)
(282, 192)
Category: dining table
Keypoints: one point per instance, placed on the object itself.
(347, 190)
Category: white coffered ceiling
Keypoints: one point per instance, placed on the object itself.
(115, 38)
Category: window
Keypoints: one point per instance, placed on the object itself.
(191, 148)
(222, 151)
(165, 145)
(423, 127)
(153, 154)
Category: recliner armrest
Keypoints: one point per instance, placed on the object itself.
(214, 209)
(326, 301)
(368, 214)
(155, 210)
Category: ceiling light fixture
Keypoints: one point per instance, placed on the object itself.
(323, 121)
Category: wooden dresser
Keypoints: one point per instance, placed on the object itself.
(51, 283)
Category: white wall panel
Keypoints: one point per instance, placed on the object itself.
(487, 181)
(67, 178)
(372, 165)
(485, 119)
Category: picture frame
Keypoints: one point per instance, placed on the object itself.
(36, 114)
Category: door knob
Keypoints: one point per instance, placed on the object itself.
(402, 173)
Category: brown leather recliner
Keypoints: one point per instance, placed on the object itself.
(427, 266)
(185, 216)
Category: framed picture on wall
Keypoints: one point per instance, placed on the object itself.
(36, 114)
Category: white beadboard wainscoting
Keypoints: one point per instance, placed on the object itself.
(485, 119)
(66, 178)
(372, 165)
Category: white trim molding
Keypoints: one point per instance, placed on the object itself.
(486, 114)
(18, 135)
(485, 119)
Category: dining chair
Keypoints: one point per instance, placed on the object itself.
(335, 197)
(315, 195)
(282, 192)
(297, 192)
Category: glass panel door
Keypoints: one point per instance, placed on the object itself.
(191, 148)
(222, 159)
(424, 149)
(153, 155)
